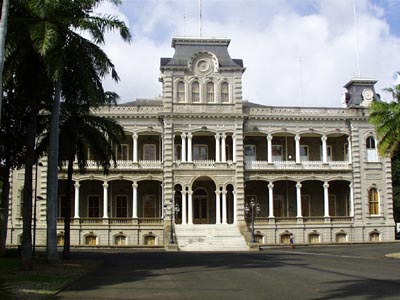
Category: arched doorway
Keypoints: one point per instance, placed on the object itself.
(200, 206)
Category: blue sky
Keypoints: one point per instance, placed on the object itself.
(297, 52)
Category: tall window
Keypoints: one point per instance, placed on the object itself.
(178, 152)
(304, 153)
(224, 92)
(121, 206)
(149, 206)
(373, 202)
(93, 206)
(200, 152)
(195, 92)
(180, 91)
(277, 153)
(371, 149)
(62, 206)
(122, 152)
(149, 152)
(210, 92)
(250, 152)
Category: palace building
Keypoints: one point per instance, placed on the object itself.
(198, 156)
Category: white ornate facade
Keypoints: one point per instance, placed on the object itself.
(314, 172)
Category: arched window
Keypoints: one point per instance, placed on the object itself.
(180, 91)
(373, 201)
(224, 92)
(371, 149)
(195, 92)
(210, 92)
(120, 240)
(374, 236)
(313, 238)
(91, 240)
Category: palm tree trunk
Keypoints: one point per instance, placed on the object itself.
(26, 250)
(67, 218)
(4, 208)
(3, 33)
(52, 179)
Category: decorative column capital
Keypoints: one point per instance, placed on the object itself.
(270, 185)
(269, 137)
(297, 137)
(183, 135)
(326, 185)
(324, 138)
(189, 135)
(351, 185)
(134, 184)
(299, 185)
(135, 135)
(77, 185)
(105, 185)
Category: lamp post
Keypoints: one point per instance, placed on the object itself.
(254, 209)
(34, 224)
(173, 210)
(34, 207)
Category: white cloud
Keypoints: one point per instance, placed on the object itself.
(322, 34)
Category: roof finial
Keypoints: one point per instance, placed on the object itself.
(201, 17)
(356, 39)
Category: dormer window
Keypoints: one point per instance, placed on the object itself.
(224, 92)
(180, 91)
(195, 92)
(210, 92)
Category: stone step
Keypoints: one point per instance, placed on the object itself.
(205, 237)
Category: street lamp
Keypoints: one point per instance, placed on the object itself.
(34, 224)
(173, 210)
(254, 209)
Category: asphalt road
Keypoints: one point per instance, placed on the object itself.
(330, 272)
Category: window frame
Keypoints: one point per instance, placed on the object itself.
(210, 93)
(145, 153)
(89, 208)
(373, 204)
(195, 93)
(122, 152)
(200, 146)
(180, 94)
(224, 94)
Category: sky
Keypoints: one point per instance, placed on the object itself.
(296, 52)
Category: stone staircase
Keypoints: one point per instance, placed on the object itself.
(210, 237)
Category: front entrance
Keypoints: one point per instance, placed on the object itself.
(200, 207)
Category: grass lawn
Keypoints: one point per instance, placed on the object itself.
(43, 281)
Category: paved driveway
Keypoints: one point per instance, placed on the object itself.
(336, 272)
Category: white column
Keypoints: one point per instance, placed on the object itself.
(76, 212)
(190, 150)
(233, 148)
(349, 153)
(269, 148)
(135, 148)
(351, 200)
(271, 200)
(234, 207)
(217, 148)
(105, 200)
(223, 147)
(218, 207)
(298, 200)
(183, 148)
(134, 200)
(162, 200)
(297, 139)
(326, 199)
(224, 208)
(190, 207)
(324, 149)
(184, 208)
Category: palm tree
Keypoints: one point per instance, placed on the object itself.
(3, 33)
(52, 29)
(84, 130)
(386, 118)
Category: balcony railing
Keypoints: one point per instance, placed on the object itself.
(115, 221)
(203, 164)
(294, 220)
(292, 165)
(125, 165)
